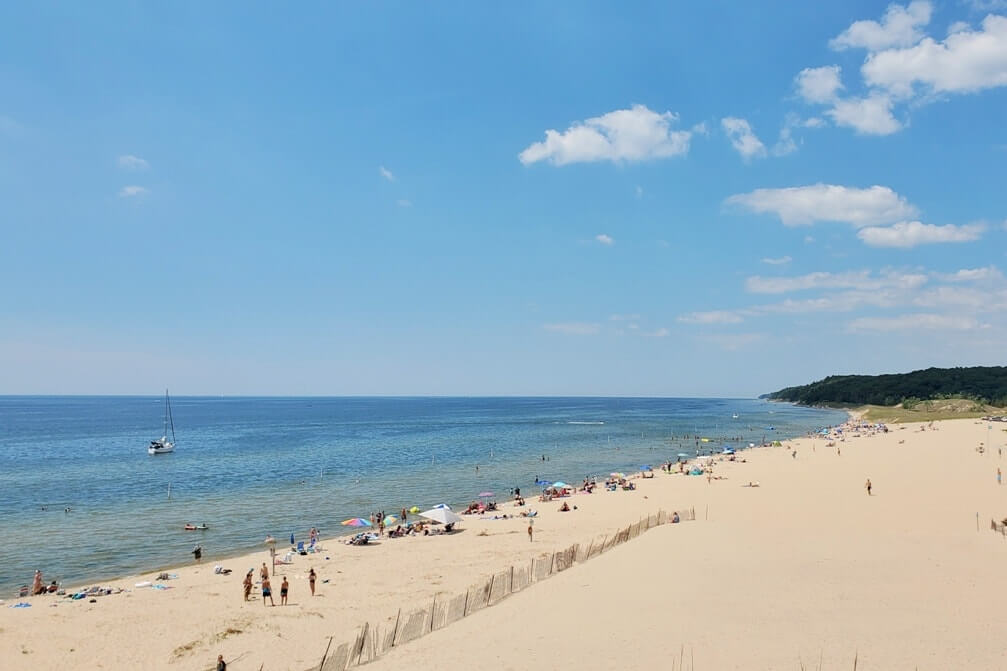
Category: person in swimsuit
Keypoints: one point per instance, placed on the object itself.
(264, 572)
(197, 552)
(284, 588)
(267, 591)
(868, 486)
(248, 584)
(221, 664)
(311, 580)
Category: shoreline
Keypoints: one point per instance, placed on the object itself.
(233, 552)
(370, 583)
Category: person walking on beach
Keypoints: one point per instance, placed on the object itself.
(529, 531)
(284, 588)
(221, 664)
(247, 584)
(311, 581)
(267, 591)
(868, 486)
(998, 476)
(197, 552)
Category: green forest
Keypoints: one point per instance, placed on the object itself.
(985, 384)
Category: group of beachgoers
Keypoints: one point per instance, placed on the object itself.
(267, 587)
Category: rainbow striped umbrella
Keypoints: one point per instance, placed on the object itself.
(356, 522)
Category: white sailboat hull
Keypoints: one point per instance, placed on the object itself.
(160, 447)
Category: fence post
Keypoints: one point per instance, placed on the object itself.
(395, 632)
(433, 609)
(322, 663)
(512, 578)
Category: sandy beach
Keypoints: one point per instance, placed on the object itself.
(804, 567)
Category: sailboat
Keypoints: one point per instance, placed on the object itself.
(163, 446)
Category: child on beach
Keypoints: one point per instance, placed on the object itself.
(284, 587)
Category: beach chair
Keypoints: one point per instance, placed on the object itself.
(300, 548)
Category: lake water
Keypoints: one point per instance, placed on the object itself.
(252, 466)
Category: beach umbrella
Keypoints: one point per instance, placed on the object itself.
(618, 475)
(356, 522)
(646, 467)
(560, 485)
(442, 515)
(682, 454)
(443, 506)
(485, 495)
(414, 509)
(390, 520)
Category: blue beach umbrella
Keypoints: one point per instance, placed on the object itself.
(560, 485)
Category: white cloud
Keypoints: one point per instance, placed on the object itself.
(657, 333)
(871, 115)
(785, 144)
(906, 234)
(711, 317)
(862, 279)
(965, 62)
(925, 321)
(130, 162)
(386, 173)
(819, 85)
(783, 260)
(133, 191)
(402, 202)
(957, 27)
(805, 205)
(899, 27)
(973, 275)
(635, 134)
(573, 328)
(743, 138)
(605, 239)
(813, 122)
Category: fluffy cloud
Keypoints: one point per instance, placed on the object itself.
(870, 116)
(783, 260)
(819, 85)
(862, 279)
(605, 239)
(712, 317)
(573, 328)
(906, 234)
(386, 173)
(965, 62)
(635, 134)
(899, 27)
(130, 162)
(927, 321)
(133, 191)
(974, 275)
(805, 205)
(743, 138)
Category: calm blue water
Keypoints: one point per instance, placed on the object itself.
(252, 466)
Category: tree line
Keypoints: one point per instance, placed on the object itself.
(984, 384)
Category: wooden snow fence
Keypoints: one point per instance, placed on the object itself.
(374, 639)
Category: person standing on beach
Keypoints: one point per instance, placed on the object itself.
(311, 580)
(197, 552)
(264, 572)
(998, 476)
(247, 584)
(529, 531)
(267, 591)
(868, 486)
(221, 664)
(284, 588)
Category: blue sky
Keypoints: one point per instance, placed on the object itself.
(709, 199)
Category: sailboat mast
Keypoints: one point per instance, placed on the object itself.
(171, 420)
